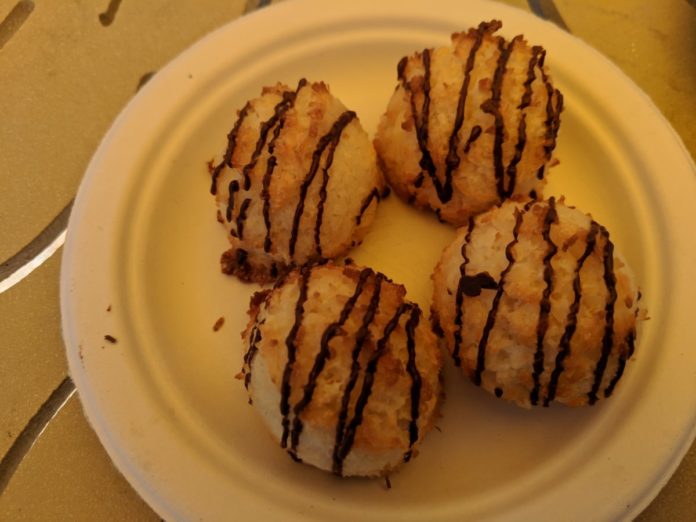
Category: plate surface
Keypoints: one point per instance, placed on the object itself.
(141, 264)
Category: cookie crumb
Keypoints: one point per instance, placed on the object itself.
(218, 324)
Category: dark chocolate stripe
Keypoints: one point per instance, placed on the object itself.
(545, 302)
(232, 189)
(519, 149)
(416, 383)
(556, 118)
(492, 106)
(490, 320)
(621, 364)
(452, 161)
(254, 339)
(331, 331)
(421, 124)
(360, 337)
(241, 217)
(475, 133)
(552, 116)
(374, 193)
(270, 167)
(344, 441)
(477, 282)
(631, 343)
(324, 183)
(278, 112)
(424, 127)
(572, 317)
(274, 121)
(291, 349)
(266, 196)
(608, 337)
(531, 76)
(632, 338)
(231, 144)
(522, 126)
(459, 299)
(330, 139)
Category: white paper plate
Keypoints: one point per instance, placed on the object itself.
(143, 241)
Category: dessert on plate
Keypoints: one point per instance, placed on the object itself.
(470, 125)
(342, 369)
(535, 305)
(298, 182)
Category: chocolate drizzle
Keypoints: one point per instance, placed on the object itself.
(331, 331)
(459, 299)
(233, 189)
(341, 446)
(531, 76)
(330, 139)
(519, 149)
(343, 120)
(621, 364)
(545, 302)
(492, 106)
(522, 126)
(475, 133)
(241, 217)
(286, 102)
(266, 197)
(452, 160)
(345, 435)
(421, 123)
(254, 339)
(490, 320)
(266, 185)
(553, 114)
(374, 194)
(276, 122)
(291, 349)
(412, 369)
(505, 175)
(624, 356)
(572, 317)
(231, 144)
(608, 337)
(348, 422)
(475, 283)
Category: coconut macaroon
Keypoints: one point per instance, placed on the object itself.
(298, 183)
(343, 370)
(535, 305)
(470, 125)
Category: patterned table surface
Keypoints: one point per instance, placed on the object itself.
(67, 70)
